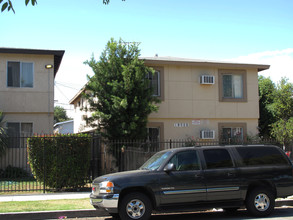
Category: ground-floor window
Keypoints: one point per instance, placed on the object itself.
(18, 132)
(155, 134)
(232, 132)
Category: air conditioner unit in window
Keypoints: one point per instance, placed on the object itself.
(207, 134)
(207, 79)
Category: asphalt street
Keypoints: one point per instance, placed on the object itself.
(280, 213)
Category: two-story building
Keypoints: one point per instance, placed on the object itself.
(27, 89)
(200, 99)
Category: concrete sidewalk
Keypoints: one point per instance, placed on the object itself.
(47, 196)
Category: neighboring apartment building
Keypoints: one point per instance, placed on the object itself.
(27, 89)
(200, 99)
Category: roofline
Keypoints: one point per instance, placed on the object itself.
(58, 54)
(192, 62)
(77, 94)
(63, 122)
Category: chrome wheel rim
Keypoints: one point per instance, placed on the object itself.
(262, 202)
(135, 209)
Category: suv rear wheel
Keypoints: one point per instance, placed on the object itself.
(260, 202)
(135, 206)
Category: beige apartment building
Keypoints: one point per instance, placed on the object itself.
(27, 89)
(200, 99)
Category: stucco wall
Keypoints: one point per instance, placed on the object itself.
(29, 104)
(187, 101)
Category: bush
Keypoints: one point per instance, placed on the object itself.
(13, 172)
(60, 160)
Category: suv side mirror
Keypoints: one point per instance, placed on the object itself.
(169, 167)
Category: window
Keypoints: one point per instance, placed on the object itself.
(157, 82)
(217, 158)
(232, 132)
(18, 132)
(254, 156)
(19, 74)
(153, 134)
(184, 161)
(232, 85)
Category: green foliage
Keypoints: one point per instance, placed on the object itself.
(267, 93)
(60, 114)
(283, 102)
(8, 4)
(13, 173)
(3, 135)
(106, 2)
(64, 160)
(282, 107)
(119, 94)
(282, 130)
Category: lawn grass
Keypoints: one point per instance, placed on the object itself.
(47, 205)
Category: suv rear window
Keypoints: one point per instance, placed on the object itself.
(252, 156)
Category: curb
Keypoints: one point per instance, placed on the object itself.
(82, 213)
(53, 214)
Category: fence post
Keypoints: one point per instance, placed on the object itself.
(44, 164)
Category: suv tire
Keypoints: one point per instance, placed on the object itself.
(260, 202)
(135, 206)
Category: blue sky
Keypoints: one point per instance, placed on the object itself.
(254, 31)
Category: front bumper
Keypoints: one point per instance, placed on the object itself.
(108, 202)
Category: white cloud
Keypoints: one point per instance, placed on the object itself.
(280, 61)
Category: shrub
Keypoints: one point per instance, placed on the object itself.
(13, 173)
(60, 160)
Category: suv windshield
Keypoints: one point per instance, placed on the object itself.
(155, 161)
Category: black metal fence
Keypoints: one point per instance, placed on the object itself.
(105, 157)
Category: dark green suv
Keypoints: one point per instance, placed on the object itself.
(182, 179)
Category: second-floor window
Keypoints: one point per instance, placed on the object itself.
(19, 74)
(232, 85)
(155, 82)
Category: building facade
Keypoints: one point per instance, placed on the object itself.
(199, 99)
(27, 89)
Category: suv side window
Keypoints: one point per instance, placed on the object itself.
(217, 158)
(187, 160)
(261, 156)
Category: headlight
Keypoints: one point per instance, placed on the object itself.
(106, 187)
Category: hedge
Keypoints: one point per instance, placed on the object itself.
(60, 160)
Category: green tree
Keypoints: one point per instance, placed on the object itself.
(282, 129)
(119, 94)
(60, 114)
(3, 135)
(267, 93)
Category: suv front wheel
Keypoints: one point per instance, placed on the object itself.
(260, 202)
(135, 206)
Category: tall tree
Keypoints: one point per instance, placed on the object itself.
(282, 129)
(267, 93)
(119, 94)
(60, 114)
